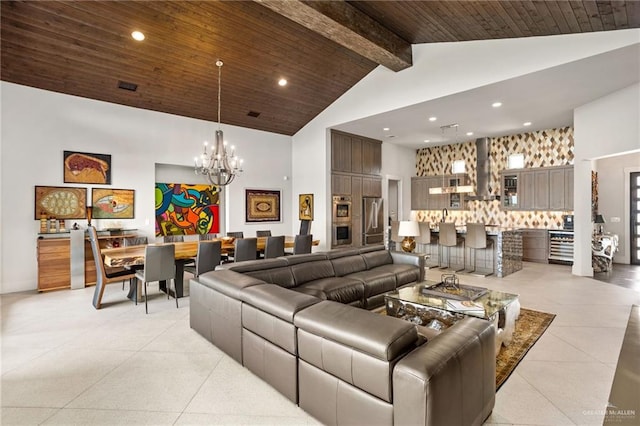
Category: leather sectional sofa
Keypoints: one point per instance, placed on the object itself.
(297, 323)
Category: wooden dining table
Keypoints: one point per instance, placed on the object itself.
(133, 256)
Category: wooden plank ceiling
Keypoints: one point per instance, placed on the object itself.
(84, 48)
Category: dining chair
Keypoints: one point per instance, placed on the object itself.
(159, 265)
(245, 249)
(302, 244)
(106, 275)
(265, 233)
(238, 234)
(134, 241)
(274, 247)
(305, 227)
(206, 237)
(207, 258)
(173, 238)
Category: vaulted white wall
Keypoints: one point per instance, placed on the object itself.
(37, 126)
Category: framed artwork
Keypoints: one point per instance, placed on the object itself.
(110, 203)
(60, 202)
(183, 209)
(262, 205)
(305, 206)
(82, 167)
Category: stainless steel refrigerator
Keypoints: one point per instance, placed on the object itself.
(372, 221)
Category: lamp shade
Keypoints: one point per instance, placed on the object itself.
(408, 228)
(599, 219)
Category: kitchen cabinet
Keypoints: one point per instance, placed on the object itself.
(534, 189)
(421, 199)
(340, 184)
(545, 188)
(340, 152)
(535, 246)
(371, 186)
(561, 188)
(355, 154)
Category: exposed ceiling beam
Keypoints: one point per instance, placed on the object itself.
(347, 26)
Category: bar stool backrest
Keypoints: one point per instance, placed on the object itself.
(476, 236)
(447, 235)
(425, 233)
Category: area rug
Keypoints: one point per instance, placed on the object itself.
(529, 327)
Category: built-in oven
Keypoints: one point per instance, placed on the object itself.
(341, 208)
(341, 234)
(341, 226)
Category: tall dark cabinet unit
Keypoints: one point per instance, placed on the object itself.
(356, 164)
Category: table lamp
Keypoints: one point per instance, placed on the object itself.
(599, 220)
(408, 229)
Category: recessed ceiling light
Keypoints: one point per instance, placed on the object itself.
(137, 35)
(469, 133)
(427, 140)
(433, 118)
(496, 104)
(528, 123)
(386, 129)
(282, 82)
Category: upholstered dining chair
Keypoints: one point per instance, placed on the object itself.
(159, 265)
(236, 234)
(173, 238)
(106, 275)
(205, 237)
(263, 233)
(302, 244)
(245, 249)
(274, 247)
(207, 258)
(305, 227)
(134, 241)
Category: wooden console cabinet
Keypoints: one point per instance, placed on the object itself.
(54, 261)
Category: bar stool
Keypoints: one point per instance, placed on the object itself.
(425, 240)
(448, 238)
(393, 237)
(477, 239)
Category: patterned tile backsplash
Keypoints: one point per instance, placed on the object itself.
(543, 148)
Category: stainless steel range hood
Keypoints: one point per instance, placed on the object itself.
(483, 172)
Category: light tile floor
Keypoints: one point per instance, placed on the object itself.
(63, 362)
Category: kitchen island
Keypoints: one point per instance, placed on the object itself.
(503, 254)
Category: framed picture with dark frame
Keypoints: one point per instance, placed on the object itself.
(111, 203)
(60, 202)
(82, 167)
(262, 205)
(305, 206)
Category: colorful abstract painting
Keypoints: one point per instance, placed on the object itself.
(113, 203)
(187, 209)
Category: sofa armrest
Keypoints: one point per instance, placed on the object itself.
(416, 259)
(448, 380)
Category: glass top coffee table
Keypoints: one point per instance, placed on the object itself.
(436, 306)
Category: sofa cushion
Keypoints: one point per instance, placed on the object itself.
(339, 289)
(229, 283)
(404, 273)
(311, 271)
(354, 345)
(277, 301)
(375, 281)
(348, 264)
(377, 258)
